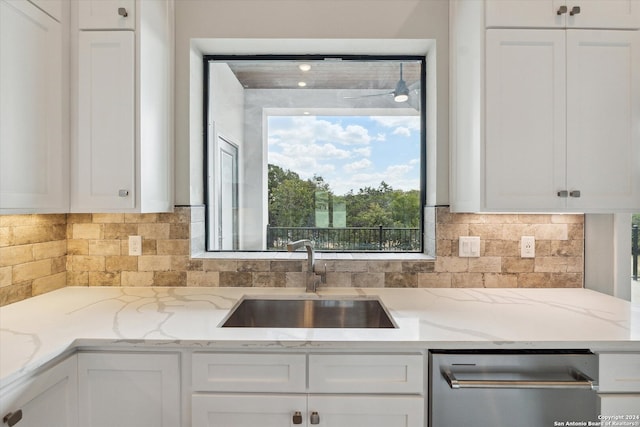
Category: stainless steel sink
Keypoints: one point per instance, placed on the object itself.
(309, 313)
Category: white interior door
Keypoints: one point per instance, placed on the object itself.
(223, 194)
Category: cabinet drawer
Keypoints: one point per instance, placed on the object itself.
(249, 372)
(366, 373)
(619, 372)
(620, 404)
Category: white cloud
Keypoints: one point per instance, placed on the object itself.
(410, 122)
(314, 130)
(359, 165)
(364, 151)
(402, 131)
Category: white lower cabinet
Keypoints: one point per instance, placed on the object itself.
(49, 398)
(619, 391)
(129, 389)
(231, 389)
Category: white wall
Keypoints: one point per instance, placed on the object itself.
(318, 20)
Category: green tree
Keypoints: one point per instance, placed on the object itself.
(636, 219)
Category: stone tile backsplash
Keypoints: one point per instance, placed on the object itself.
(39, 253)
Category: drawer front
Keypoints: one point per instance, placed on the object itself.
(624, 405)
(249, 372)
(366, 373)
(619, 372)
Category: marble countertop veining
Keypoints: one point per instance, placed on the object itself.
(34, 331)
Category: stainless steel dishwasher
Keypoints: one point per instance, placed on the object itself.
(512, 388)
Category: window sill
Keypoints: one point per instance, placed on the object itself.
(329, 256)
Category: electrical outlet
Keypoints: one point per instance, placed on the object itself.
(135, 245)
(469, 246)
(528, 247)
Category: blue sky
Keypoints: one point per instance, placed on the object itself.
(349, 152)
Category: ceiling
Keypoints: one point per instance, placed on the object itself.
(324, 74)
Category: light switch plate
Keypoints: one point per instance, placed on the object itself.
(469, 246)
(528, 247)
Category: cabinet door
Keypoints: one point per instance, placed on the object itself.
(525, 120)
(129, 390)
(248, 410)
(48, 399)
(603, 119)
(379, 411)
(33, 154)
(106, 14)
(103, 156)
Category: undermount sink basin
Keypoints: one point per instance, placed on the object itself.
(309, 313)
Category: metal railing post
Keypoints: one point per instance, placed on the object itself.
(635, 250)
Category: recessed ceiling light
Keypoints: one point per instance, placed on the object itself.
(306, 113)
(302, 84)
(304, 67)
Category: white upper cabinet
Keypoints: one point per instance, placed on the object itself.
(106, 14)
(104, 174)
(543, 119)
(51, 7)
(33, 111)
(607, 14)
(122, 151)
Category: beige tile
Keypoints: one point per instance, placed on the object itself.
(567, 219)
(566, 280)
(452, 231)
(179, 231)
(154, 231)
(5, 276)
(203, 278)
(534, 218)
(38, 234)
(350, 266)
(434, 280)
(486, 231)
(104, 278)
(451, 264)
(265, 279)
(500, 248)
(170, 278)
(186, 263)
(220, 265)
(14, 255)
(76, 218)
(6, 237)
(87, 231)
(517, 265)
(104, 247)
(121, 263)
(52, 249)
(77, 247)
(31, 270)
(49, 283)
(334, 279)
(85, 263)
(551, 231)
(253, 265)
(149, 246)
(516, 231)
(493, 280)
(136, 278)
(401, 280)
(59, 264)
(15, 293)
(141, 218)
(120, 231)
(172, 247)
(444, 248)
(179, 215)
(418, 266)
(17, 220)
(77, 278)
(106, 218)
(534, 280)
(154, 263)
(295, 279)
(368, 280)
(236, 279)
(285, 266)
(467, 280)
(380, 266)
(566, 248)
(485, 265)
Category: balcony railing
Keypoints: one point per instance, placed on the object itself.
(347, 239)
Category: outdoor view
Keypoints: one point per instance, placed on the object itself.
(635, 254)
(353, 182)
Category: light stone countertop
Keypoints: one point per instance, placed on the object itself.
(35, 331)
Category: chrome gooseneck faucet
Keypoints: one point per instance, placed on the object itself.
(312, 277)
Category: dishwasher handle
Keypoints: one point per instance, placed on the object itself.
(579, 381)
